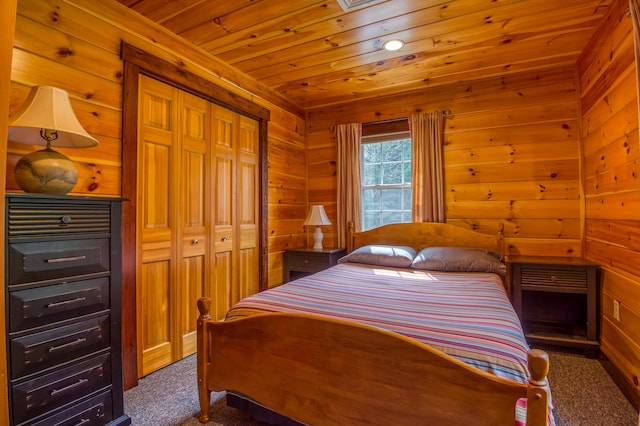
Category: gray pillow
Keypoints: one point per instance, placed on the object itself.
(459, 259)
(395, 256)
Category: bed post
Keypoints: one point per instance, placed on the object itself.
(537, 389)
(204, 394)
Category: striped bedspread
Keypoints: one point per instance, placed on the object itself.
(466, 315)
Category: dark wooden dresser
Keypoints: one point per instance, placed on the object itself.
(63, 291)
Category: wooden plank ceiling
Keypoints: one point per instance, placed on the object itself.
(313, 53)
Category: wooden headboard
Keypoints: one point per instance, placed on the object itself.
(424, 234)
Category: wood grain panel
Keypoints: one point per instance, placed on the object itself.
(524, 228)
(524, 190)
(544, 247)
(624, 233)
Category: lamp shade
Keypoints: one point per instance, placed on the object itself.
(48, 109)
(47, 118)
(317, 216)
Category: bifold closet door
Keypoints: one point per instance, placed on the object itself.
(173, 209)
(197, 217)
(235, 208)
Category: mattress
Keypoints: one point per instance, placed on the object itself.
(466, 315)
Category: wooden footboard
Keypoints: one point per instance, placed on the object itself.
(319, 370)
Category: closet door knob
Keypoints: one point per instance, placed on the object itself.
(224, 239)
(195, 241)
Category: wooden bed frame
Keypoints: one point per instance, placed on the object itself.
(319, 370)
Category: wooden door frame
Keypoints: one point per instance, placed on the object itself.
(137, 62)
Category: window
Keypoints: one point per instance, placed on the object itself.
(386, 179)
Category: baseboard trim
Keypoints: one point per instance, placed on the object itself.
(628, 390)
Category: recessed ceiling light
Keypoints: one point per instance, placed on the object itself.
(393, 44)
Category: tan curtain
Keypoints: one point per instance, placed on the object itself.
(349, 198)
(427, 174)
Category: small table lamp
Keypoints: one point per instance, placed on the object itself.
(46, 118)
(317, 216)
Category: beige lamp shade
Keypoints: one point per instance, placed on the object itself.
(317, 216)
(47, 118)
(48, 108)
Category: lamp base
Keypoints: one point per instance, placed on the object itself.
(317, 239)
(46, 171)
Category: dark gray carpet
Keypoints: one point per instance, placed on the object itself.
(582, 391)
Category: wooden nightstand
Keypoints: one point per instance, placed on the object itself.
(299, 262)
(556, 299)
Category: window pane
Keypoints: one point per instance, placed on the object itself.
(372, 175)
(370, 219)
(407, 172)
(391, 173)
(391, 199)
(392, 151)
(407, 150)
(371, 152)
(371, 199)
(406, 204)
(391, 217)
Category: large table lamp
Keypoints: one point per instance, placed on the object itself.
(317, 217)
(46, 118)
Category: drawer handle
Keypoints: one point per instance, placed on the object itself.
(65, 219)
(195, 241)
(553, 278)
(82, 422)
(70, 387)
(224, 239)
(66, 345)
(306, 261)
(65, 302)
(66, 259)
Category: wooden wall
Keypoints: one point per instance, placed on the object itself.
(511, 155)
(75, 45)
(609, 104)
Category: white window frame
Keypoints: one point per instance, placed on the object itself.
(405, 214)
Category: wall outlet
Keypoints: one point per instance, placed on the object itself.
(616, 310)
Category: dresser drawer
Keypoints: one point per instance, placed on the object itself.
(554, 277)
(96, 411)
(50, 216)
(45, 305)
(38, 261)
(38, 351)
(37, 396)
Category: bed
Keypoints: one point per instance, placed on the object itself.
(413, 326)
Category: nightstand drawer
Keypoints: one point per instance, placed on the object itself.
(309, 262)
(299, 262)
(554, 277)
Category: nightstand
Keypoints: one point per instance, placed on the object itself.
(556, 299)
(299, 262)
